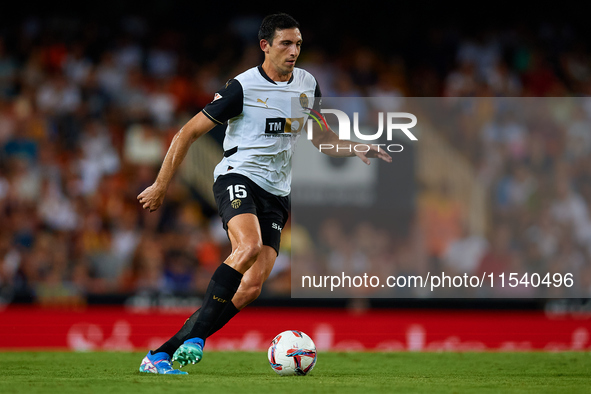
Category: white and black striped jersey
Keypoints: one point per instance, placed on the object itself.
(262, 131)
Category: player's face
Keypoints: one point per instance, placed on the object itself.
(285, 50)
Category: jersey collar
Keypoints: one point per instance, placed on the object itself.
(264, 74)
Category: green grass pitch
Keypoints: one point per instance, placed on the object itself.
(244, 372)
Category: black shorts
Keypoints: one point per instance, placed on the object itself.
(236, 194)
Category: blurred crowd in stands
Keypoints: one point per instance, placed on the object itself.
(87, 111)
(532, 157)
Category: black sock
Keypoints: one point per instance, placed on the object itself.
(222, 287)
(229, 312)
(170, 346)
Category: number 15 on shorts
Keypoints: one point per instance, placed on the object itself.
(236, 191)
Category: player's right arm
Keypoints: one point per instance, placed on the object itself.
(227, 103)
(153, 196)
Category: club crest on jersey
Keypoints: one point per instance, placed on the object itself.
(304, 100)
(236, 203)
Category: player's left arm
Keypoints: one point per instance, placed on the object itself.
(328, 142)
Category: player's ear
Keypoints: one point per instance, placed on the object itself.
(265, 45)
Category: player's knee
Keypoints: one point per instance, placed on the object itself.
(247, 252)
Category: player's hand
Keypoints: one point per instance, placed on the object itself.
(152, 197)
(372, 153)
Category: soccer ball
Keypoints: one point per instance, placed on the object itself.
(292, 353)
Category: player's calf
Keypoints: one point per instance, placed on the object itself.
(247, 293)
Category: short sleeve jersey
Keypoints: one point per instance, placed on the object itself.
(262, 133)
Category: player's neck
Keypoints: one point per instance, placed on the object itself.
(273, 73)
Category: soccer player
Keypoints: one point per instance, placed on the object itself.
(252, 182)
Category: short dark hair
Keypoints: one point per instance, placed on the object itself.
(275, 22)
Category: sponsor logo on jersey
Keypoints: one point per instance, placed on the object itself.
(275, 226)
(275, 126)
(295, 125)
(216, 96)
(263, 102)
